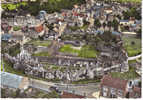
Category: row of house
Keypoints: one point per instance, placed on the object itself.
(111, 87)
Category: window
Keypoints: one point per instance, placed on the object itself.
(104, 94)
(105, 88)
(120, 93)
(113, 90)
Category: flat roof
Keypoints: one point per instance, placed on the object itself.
(10, 80)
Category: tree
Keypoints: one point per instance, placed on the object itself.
(115, 24)
(104, 24)
(126, 15)
(139, 35)
(97, 23)
(109, 24)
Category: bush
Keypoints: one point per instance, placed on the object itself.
(16, 28)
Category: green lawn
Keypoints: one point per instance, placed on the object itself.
(132, 49)
(16, 28)
(86, 81)
(132, 61)
(8, 68)
(131, 74)
(85, 52)
(41, 94)
(68, 49)
(40, 43)
(13, 6)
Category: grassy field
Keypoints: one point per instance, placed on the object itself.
(132, 48)
(13, 6)
(88, 52)
(68, 49)
(41, 94)
(16, 28)
(8, 68)
(85, 52)
(40, 43)
(131, 74)
(86, 81)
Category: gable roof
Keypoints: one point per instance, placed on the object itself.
(70, 95)
(117, 83)
(39, 28)
(124, 21)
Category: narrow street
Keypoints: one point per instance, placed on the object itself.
(86, 89)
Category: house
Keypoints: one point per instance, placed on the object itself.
(16, 38)
(124, 22)
(132, 20)
(42, 15)
(6, 37)
(108, 10)
(136, 93)
(116, 33)
(36, 31)
(5, 27)
(117, 88)
(14, 81)
(70, 95)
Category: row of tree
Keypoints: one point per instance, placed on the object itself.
(113, 23)
(132, 13)
(50, 6)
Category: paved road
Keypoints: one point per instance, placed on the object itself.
(42, 85)
(86, 89)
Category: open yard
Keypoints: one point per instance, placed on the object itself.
(86, 81)
(13, 6)
(40, 43)
(131, 74)
(68, 49)
(8, 68)
(85, 51)
(132, 45)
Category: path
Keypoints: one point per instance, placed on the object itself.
(134, 57)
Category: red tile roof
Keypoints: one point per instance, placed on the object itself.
(137, 90)
(108, 8)
(70, 95)
(133, 93)
(117, 83)
(39, 29)
(132, 18)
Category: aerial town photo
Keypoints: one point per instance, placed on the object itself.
(71, 49)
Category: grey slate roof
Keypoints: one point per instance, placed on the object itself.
(10, 80)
